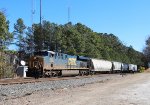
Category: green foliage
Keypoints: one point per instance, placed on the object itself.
(78, 39)
(5, 39)
(141, 69)
(5, 35)
(19, 34)
(6, 70)
(146, 51)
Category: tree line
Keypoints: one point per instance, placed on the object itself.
(75, 39)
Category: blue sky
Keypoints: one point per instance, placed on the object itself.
(127, 19)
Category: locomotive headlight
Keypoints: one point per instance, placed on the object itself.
(22, 63)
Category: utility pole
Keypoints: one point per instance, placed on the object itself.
(40, 13)
(68, 14)
(31, 45)
(41, 33)
(32, 11)
(69, 5)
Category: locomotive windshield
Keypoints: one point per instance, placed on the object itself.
(41, 53)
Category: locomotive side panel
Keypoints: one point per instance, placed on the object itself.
(68, 62)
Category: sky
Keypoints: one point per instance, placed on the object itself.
(129, 20)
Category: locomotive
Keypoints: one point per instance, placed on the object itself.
(50, 64)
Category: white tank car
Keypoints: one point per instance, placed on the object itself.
(132, 67)
(116, 66)
(101, 65)
(135, 66)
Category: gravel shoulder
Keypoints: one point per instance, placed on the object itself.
(130, 89)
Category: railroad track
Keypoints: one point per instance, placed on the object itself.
(32, 80)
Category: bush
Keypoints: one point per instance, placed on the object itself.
(141, 69)
(6, 68)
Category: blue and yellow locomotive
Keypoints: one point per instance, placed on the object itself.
(48, 63)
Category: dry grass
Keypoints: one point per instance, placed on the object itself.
(147, 70)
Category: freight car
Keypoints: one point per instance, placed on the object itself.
(98, 65)
(49, 64)
(132, 68)
(116, 66)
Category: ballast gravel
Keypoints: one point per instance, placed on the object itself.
(20, 90)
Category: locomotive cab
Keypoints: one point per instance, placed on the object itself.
(37, 64)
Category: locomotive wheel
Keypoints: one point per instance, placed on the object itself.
(81, 73)
(84, 72)
(60, 73)
(92, 73)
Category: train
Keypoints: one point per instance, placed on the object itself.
(51, 64)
